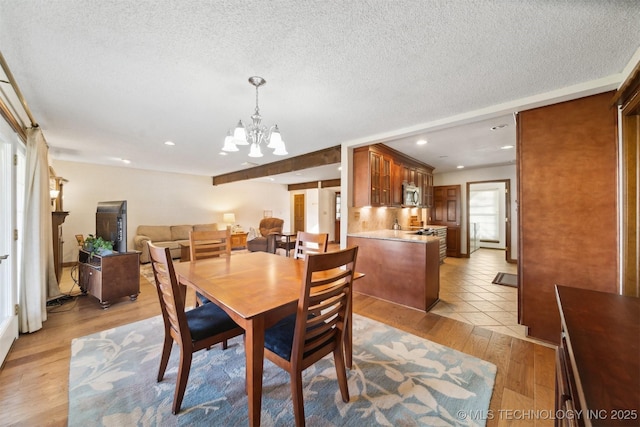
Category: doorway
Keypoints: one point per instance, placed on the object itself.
(489, 216)
(12, 165)
(298, 213)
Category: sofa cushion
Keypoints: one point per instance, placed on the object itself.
(156, 232)
(180, 232)
(205, 227)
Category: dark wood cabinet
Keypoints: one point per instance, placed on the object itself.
(57, 218)
(379, 173)
(109, 277)
(597, 361)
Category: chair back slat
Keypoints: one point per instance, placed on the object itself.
(310, 243)
(209, 244)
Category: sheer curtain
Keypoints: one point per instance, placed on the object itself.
(38, 283)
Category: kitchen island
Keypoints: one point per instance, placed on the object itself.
(399, 266)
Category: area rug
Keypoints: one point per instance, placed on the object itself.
(398, 379)
(506, 279)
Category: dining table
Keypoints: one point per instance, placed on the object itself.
(256, 290)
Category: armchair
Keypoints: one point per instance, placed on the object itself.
(266, 242)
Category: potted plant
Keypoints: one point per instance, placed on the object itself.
(97, 246)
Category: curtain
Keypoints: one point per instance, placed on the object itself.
(38, 283)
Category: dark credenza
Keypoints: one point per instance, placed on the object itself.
(109, 277)
(598, 360)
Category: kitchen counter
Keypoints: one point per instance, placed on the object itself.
(399, 266)
(410, 236)
(405, 235)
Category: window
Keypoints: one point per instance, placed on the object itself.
(484, 210)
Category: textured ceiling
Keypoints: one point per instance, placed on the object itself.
(109, 80)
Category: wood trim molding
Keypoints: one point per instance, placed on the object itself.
(317, 158)
(629, 88)
(628, 98)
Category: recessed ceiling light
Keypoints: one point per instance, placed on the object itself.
(126, 161)
(421, 142)
(460, 167)
(506, 147)
(504, 125)
(169, 143)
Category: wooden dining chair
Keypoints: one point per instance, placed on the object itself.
(310, 243)
(318, 326)
(193, 330)
(208, 244)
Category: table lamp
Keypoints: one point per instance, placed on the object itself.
(229, 219)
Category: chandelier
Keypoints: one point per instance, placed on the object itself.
(255, 134)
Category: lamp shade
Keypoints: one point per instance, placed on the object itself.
(229, 218)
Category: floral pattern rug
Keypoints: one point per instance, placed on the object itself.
(397, 379)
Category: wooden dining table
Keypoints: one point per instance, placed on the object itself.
(256, 289)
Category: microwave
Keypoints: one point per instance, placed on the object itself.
(411, 195)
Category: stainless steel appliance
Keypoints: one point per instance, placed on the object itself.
(412, 196)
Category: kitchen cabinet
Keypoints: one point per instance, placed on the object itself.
(379, 173)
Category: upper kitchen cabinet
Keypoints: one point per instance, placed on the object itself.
(380, 171)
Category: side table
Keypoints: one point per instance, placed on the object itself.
(239, 240)
(284, 241)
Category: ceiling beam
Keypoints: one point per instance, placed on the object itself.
(314, 184)
(310, 160)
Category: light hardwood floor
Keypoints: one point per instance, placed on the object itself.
(34, 377)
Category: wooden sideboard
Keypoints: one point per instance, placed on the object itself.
(109, 277)
(598, 360)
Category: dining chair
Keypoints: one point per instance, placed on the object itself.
(310, 243)
(193, 330)
(318, 326)
(208, 244)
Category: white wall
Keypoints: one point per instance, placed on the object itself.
(159, 198)
(320, 210)
(462, 177)
(327, 211)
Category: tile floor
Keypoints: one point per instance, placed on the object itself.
(467, 294)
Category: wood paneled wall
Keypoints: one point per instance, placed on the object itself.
(567, 206)
(628, 99)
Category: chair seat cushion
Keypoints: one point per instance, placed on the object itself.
(279, 337)
(208, 320)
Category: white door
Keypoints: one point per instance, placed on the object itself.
(11, 197)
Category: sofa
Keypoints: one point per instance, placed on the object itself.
(266, 242)
(168, 236)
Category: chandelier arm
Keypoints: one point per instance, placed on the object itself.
(255, 133)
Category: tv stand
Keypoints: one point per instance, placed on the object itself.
(109, 277)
